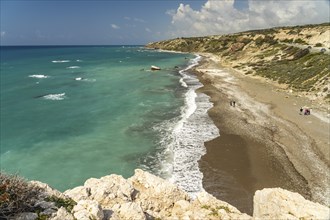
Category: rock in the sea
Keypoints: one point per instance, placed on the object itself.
(88, 209)
(277, 203)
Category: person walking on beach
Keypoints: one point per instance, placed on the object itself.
(301, 110)
(232, 103)
(307, 112)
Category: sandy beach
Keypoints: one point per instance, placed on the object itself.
(264, 141)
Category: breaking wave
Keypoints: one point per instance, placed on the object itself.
(73, 67)
(183, 138)
(56, 97)
(38, 76)
(60, 61)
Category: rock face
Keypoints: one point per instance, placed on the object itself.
(282, 204)
(145, 196)
(88, 209)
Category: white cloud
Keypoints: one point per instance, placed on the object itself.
(220, 16)
(3, 33)
(114, 26)
(148, 30)
(139, 20)
(134, 19)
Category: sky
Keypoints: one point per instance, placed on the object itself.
(137, 22)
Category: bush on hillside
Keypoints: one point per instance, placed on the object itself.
(16, 195)
(300, 41)
(301, 53)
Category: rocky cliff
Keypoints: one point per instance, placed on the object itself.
(297, 57)
(145, 196)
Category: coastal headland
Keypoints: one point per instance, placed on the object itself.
(265, 141)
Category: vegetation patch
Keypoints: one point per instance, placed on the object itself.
(214, 211)
(67, 203)
(17, 196)
(265, 53)
(295, 73)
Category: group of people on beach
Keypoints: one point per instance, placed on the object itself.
(305, 111)
(232, 103)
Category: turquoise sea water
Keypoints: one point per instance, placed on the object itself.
(71, 113)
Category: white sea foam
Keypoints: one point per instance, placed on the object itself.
(73, 67)
(39, 76)
(56, 97)
(61, 61)
(185, 136)
(183, 83)
(90, 80)
(84, 79)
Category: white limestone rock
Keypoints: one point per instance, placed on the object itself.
(129, 211)
(78, 193)
(48, 191)
(61, 214)
(213, 208)
(88, 209)
(145, 196)
(154, 193)
(110, 190)
(277, 203)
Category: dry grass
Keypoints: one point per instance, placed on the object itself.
(16, 195)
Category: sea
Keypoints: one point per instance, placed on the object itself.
(69, 113)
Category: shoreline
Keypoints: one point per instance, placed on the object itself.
(193, 128)
(263, 142)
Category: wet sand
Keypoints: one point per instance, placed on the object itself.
(263, 142)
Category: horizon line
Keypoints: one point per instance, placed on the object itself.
(71, 45)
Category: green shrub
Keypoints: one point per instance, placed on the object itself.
(68, 203)
(300, 41)
(287, 40)
(301, 53)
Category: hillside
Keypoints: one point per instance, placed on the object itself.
(296, 57)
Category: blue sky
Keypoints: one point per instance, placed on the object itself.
(105, 22)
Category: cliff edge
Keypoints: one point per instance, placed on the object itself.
(145, 196)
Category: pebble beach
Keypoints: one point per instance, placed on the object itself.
(264, 141)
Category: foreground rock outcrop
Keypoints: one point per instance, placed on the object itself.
(145, 196)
